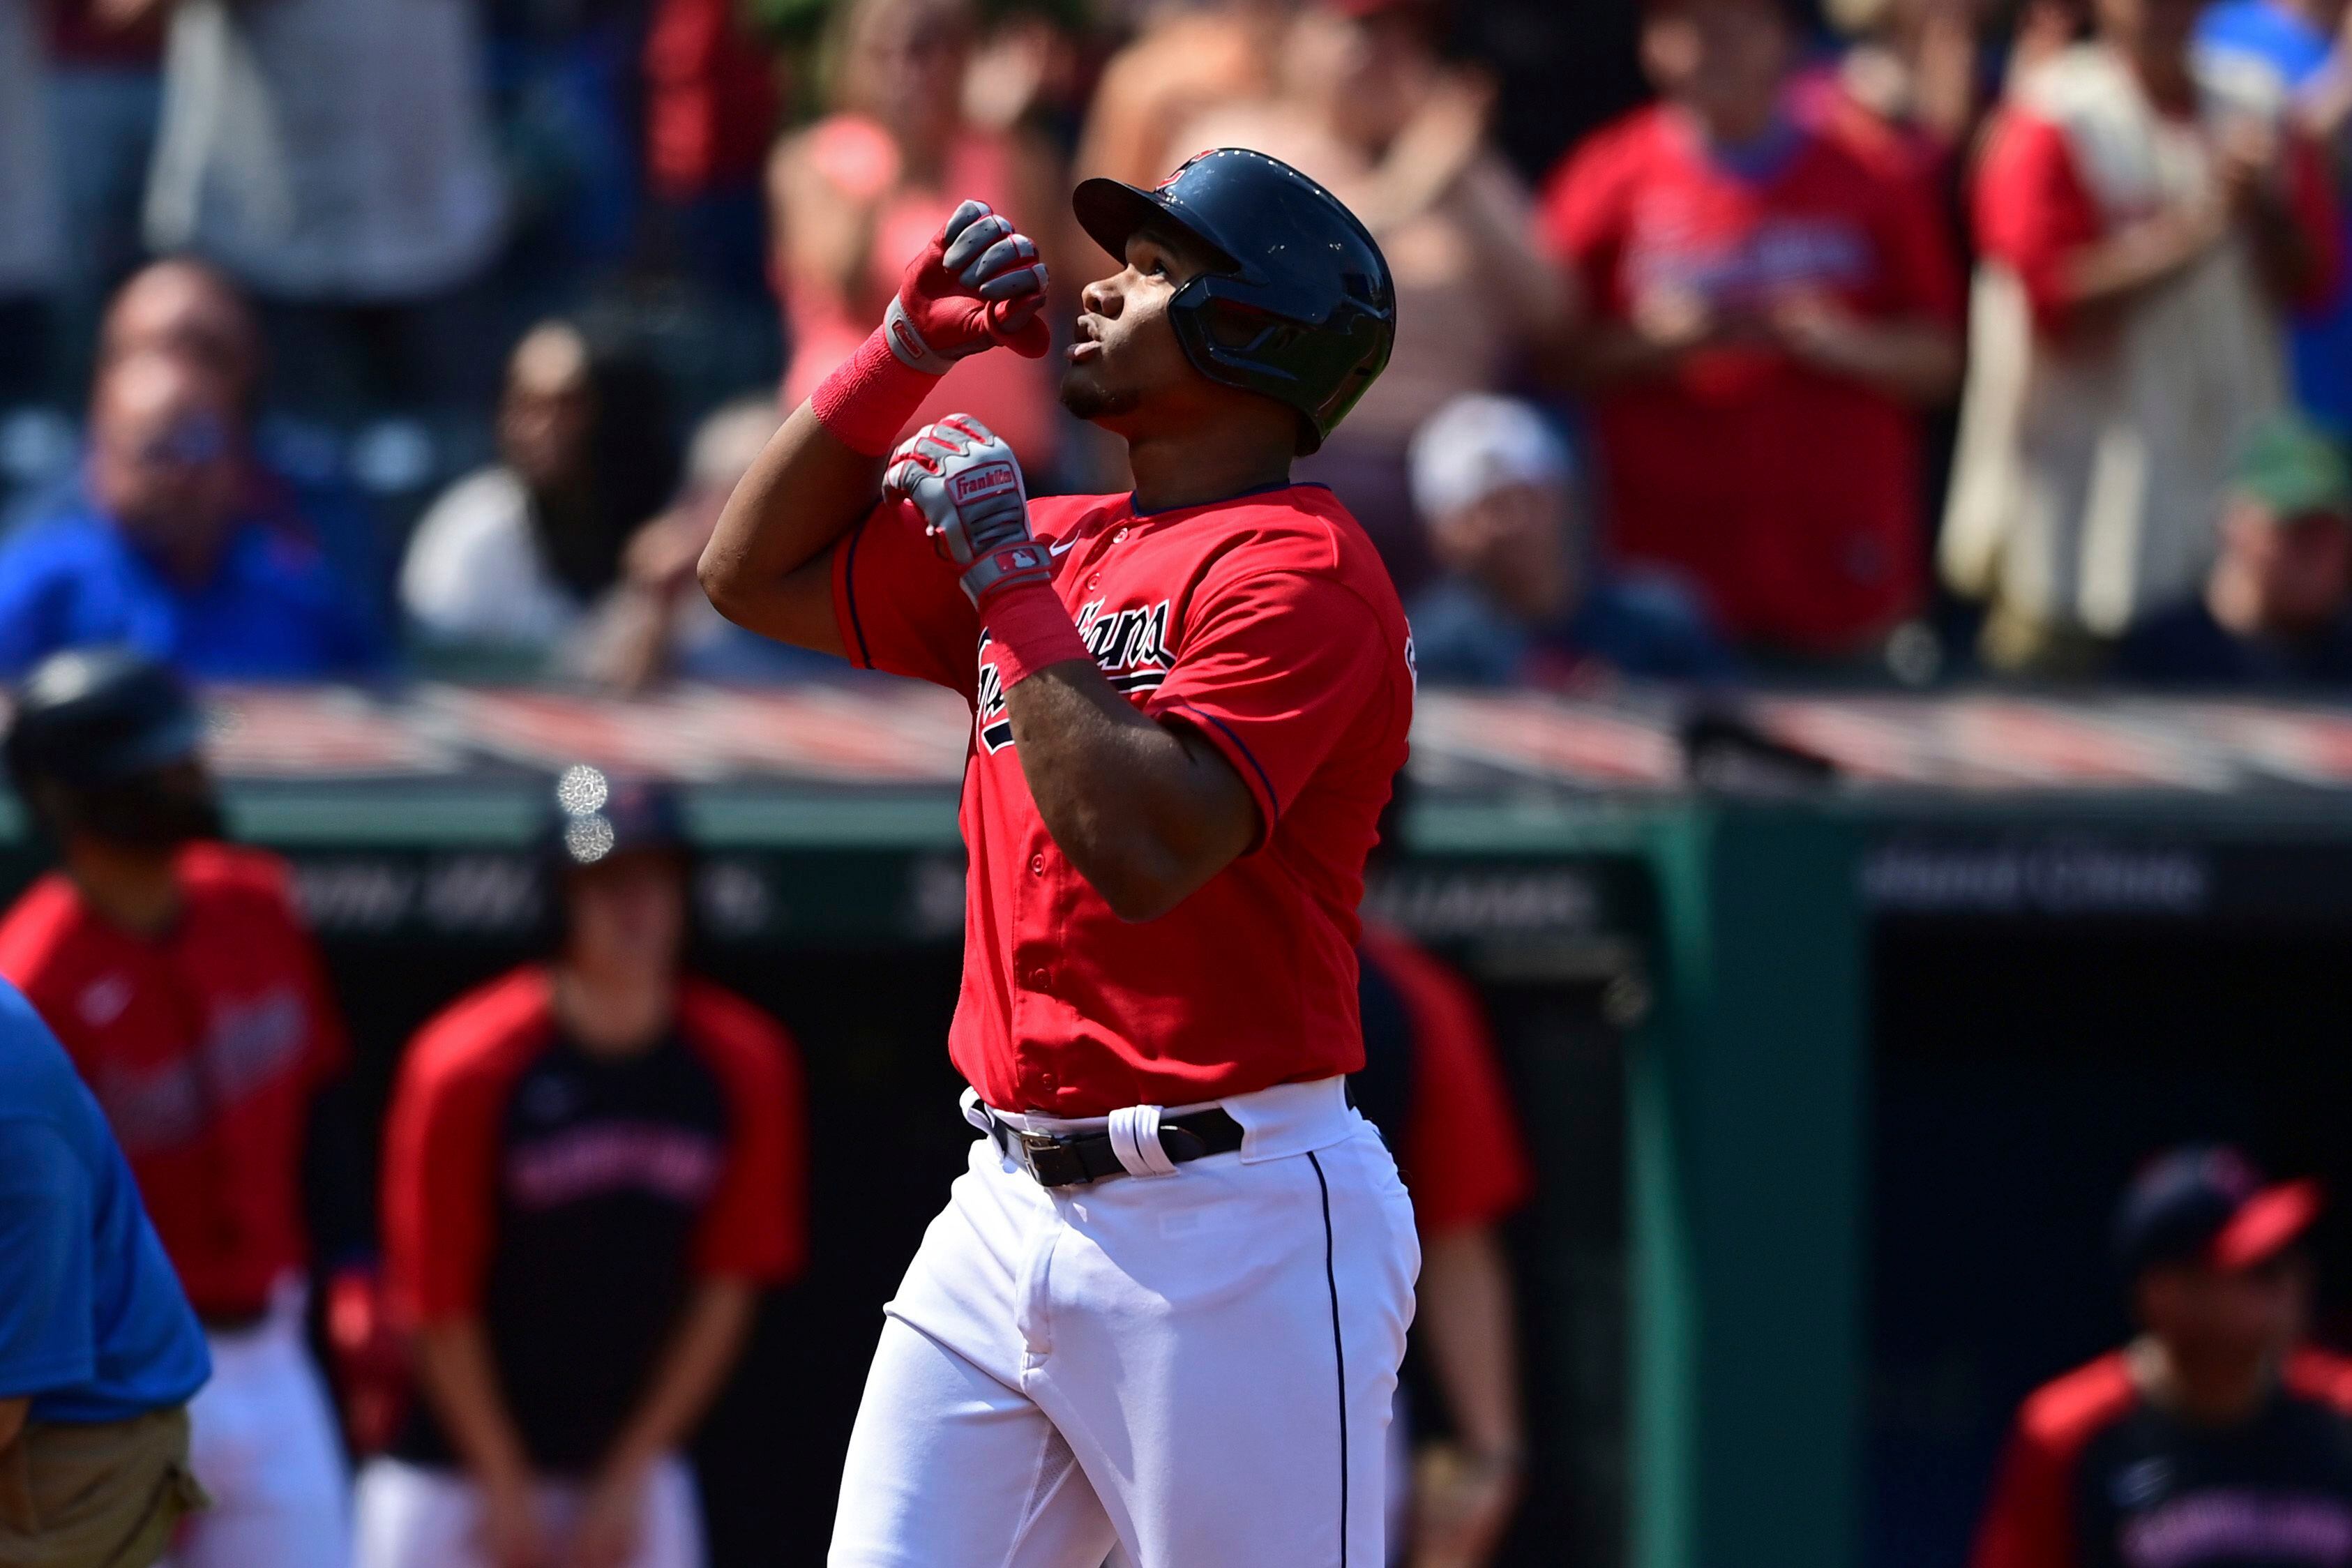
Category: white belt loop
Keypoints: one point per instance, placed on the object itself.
(1135, 1138)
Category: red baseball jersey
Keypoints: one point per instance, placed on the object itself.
(568, 1198)
(1790, 494)
(203, 1047)
(1463, 1156)
(2098, 1476)
(1267, 623)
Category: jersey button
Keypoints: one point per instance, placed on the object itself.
(1095, 581)
(1036, 980)
(1119, 538)
(1036, 865)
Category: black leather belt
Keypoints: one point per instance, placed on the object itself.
(1074, 1159)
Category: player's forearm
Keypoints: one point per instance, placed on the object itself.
(694, 1366)
(807, 489)
(1146, 812)
(1468, 1322)
(1918, 362)
(453, 1363)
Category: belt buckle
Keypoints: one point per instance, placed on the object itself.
(1052, 1158)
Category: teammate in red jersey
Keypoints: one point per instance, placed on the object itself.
(1166, 1304)
(191, 1001)
(591, 1169)
(2215, 1440)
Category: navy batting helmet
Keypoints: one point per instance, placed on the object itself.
(106, 742)
(99, 716)
(1300, 307)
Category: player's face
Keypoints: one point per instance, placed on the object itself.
(1126, 369)
(628, 913)
(2217, 1315)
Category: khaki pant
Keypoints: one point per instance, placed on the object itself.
(106, 1495)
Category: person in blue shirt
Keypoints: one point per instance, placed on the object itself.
(2302, 43)
(162, 551)
(1522, 601)
(2276, 609)
(100, 1351)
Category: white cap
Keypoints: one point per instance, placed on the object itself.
(1479, 444)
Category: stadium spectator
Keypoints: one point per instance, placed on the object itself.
(182, 983)
(360, 232)
(1191, 57)
(511, 557)
(2215, 1437)
(1766, 290)
(30, 248)
(1523, 599)
(182, 307)
(99, 1352)
(1365, 106)
(1432, 1082)
(106, 98)
(2276, 609)
(711, 104)
(592, 1168)
(2143, 225)
(655, 623)
(871, 183)
(1912, 67)
(2297, 53)
(162, 549)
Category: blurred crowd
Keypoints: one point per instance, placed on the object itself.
(1892, 340)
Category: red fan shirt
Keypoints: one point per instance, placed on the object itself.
(203, 1047)
(1790, 494)
(1267, 623)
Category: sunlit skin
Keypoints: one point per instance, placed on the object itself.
(1189, 438)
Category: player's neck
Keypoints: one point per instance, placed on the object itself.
(2209, 1391)
(613, 1010)
(1201, 464)
(136, 889)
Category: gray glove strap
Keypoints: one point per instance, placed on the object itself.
(908, 344)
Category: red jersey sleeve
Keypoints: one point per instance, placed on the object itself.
(900, 608)
(756, 1227)
(2032, 211)
(1274, 669)
(1468, 1164)
(441, 1142)
(1583, 216)
(2029, 1523)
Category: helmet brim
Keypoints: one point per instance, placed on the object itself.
(1113, 212)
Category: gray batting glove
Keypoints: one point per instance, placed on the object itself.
(967, 484)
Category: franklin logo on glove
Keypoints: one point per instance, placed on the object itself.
(986, 481)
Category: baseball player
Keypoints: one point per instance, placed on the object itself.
(181, 982)
(1165, 1305)
(2216, 1438)
(591, 1169)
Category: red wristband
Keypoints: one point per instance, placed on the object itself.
(1028, 628)
(869, 398)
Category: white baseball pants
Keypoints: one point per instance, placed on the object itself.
(1194, 1368)
(262, 1440)
(423, 1516)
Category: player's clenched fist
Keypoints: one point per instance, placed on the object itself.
(967, 484)
(979, 283)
